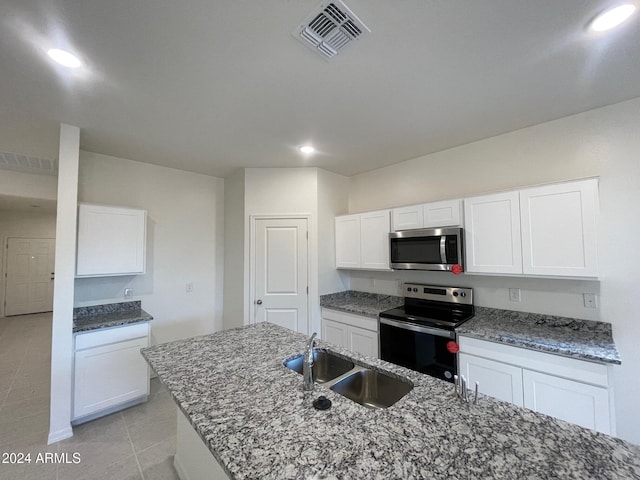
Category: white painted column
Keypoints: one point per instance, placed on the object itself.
(62, 335)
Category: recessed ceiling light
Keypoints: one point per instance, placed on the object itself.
(64, 58)
(307, 149)
(612, 18)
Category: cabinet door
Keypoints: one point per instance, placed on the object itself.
(559, 229)
(374, 240)
(495, 379)
(442, 214)
(492, 233)
(407, 218)
(111, 241)
(363, 341)
(335, 332)
(575, 402)
(348, 241)
(109, 375)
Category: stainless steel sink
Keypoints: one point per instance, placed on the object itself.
(372, 389)
(326, 365)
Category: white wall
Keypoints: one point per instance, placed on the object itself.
(62, 323)
(284, 191)
(25, 225)
(28, 185)
(332, 201)
(185, 235)
(602, 142)
(234, 250)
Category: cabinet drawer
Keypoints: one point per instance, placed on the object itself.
(351, 319)
(111, 335)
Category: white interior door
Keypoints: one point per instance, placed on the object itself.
(29, 281)
(281, 282)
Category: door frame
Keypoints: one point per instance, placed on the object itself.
(312, 299)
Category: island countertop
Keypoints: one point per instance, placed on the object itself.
(569, 337)
(254, 417)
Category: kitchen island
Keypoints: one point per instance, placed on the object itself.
(255, 420)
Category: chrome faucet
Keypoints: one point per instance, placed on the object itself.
(307, 364)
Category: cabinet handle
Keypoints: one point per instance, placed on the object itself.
(259, 302)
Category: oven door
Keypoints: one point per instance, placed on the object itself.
(419, 348)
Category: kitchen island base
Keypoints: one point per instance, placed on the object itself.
(193, 460)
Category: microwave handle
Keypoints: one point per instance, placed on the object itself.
(443, 249)
(418, 328)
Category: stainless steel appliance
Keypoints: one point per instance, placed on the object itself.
(427, 249)
(420, 335)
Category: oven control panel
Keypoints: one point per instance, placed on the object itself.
(439, 293)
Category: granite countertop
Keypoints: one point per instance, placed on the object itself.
(254, 417)
(360, 303)
(96, 317)
(569, 337)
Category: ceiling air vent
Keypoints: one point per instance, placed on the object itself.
(330, 28)
(24, 163)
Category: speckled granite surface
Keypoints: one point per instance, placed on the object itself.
(360, 303)
(96, 317)
(253, 415)
(569, 337)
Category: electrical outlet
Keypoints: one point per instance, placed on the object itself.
(128, 293)
(189, 287)
(589, 300)
(514, 294)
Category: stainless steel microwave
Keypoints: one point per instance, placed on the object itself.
(437, 249)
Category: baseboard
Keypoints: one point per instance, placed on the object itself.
(60, 435)
(180, 470)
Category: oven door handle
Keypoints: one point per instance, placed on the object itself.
(418, 328)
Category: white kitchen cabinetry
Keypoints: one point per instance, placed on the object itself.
(498, 380)
(362, 240)
(573, 390)
(492, 233)
(427, 215)
(111, 241)
(548, 231)
(559, 229)
(109, 371)
(354, 332)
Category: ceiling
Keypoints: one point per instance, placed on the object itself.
(210, 86)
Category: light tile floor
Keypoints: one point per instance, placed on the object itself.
(134, 444)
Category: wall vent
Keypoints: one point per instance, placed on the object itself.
(330, 29)
(25, 163)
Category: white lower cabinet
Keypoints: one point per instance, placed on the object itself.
(109, 370)
(576, 402)
(573, 390)
(496, 379)
(355, 332)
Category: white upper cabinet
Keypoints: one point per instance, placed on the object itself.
(374, 240)
(559, 229)
(548, 230)
(442, 214)
(408, 218)
(111, 241)
(362, 240)
(492, 233)
(348, 241)
(427, 215)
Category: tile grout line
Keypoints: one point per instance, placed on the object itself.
(126, 427)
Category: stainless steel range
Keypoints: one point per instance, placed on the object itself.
(420, 335)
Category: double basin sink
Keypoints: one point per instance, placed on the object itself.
(370, 388)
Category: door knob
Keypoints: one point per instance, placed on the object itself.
(259, 302)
